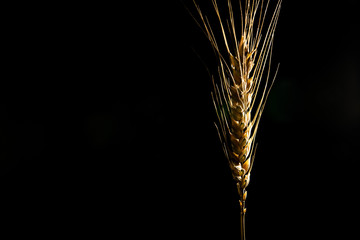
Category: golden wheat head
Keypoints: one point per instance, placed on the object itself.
(238, 98)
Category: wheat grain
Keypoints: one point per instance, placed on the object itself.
(241, 70)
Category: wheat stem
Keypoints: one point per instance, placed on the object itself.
(243, 195)
(242, 225)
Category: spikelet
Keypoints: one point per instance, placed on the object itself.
(238, 98)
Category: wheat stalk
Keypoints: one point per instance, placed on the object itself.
(241, 70)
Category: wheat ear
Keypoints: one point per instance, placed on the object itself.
(241, 70)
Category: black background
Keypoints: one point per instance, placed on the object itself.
(107, 125)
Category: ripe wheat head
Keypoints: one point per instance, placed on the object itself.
(239, 100)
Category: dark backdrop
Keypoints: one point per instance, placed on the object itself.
(107, 125)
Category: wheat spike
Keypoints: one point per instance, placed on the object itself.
(238, 98)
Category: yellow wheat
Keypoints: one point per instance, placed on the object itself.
(241, 70)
